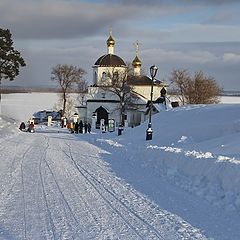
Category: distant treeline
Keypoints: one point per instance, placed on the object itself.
(230, 93)
(8, 90)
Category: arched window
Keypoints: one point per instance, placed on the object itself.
(95, 78)
(115, 77)
(104, 75)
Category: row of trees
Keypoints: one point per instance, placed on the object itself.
(189, 89)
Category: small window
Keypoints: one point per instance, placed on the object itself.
(115, 76)
(95, 78)
(104, 75)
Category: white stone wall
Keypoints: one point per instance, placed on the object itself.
(100, 94)
(100, 70)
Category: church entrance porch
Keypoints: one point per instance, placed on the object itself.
(102, 113)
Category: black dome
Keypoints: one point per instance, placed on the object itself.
(110, 60)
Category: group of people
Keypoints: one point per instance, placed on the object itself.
(29, 128)
(79, 127)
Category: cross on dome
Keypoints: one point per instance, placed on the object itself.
(137, 45)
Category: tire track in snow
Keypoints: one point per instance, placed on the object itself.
(165, 223)
(63, 198)
(64, 201)
(136, 195)
(94, 214)
(12, 177)
(86, 205)
(44, 193)
(105, 199)
(17, 155)
(23, 193)
(95, 183)
(43, 155)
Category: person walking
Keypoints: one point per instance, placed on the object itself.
(76, 127)
(85, 127)
(80, 126)
(89, 127)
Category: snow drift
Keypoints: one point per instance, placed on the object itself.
(194, 147)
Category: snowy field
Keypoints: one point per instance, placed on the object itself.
(21, 106)
(184, 184)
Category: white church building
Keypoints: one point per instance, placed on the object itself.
(102, 106)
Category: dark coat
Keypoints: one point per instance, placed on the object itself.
(89, 127)
(22, 126)
(76, 127)
(85, 127)
(81, 126)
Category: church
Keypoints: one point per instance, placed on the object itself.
(103, 106)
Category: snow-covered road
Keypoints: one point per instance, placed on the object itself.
(56, 186)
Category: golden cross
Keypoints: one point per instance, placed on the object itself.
(110, 30)
(136, 45)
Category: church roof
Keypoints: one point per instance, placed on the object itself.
(139, 80)
(110, 60)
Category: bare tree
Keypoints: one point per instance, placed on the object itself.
(82, 88)
(69, 108)
(179, 81)
(69, 78)
(116, 82)
(203, 89)
(199, 89)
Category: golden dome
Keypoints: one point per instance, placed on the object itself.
(136, 62)
(110, 41)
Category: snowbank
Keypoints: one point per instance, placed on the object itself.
(8, 127)
(194, 147)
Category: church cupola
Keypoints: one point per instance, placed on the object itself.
(136, 63)
(110, 44)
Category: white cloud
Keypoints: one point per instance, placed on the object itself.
(231, 58)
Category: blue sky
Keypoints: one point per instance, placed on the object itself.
(195, 35)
